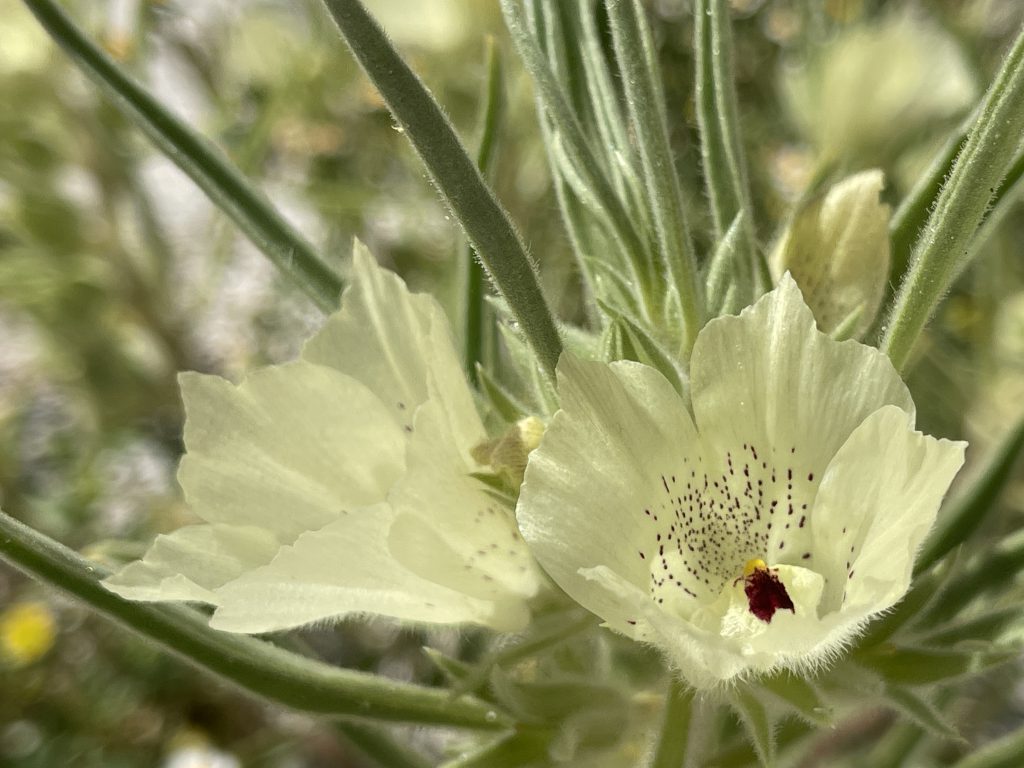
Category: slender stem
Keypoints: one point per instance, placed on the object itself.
(942, 250)
(675, 728)
(256, 666)
(492, 116)
(457, 177)
(226, 187)
(637, 61)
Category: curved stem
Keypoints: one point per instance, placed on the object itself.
(224, 184)
(457, 177)
(256, 666)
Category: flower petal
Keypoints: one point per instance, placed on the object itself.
(448, 526)
(597, 490)
(191, 562)
(341, 569)
(768, 378)
(395, 342)
(286, 450)
(877, 501)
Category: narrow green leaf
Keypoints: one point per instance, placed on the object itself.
(1007, 752)
(546, 632)
(986, 628)
(911, 214)
(640, 346)
(924, 666)
(552, 701)
(993, 569)
(757, 723)
(924, 591)
(527, 748)
(503, 402)
(921, 711)
(909, 218)
(224, 184)
(612, 127)
(894, 748)
(800, 696)
(674, 737)
(577, 150)
(970, 510)
(380, 747)
(492, 112)
(454, 670)
(457, 177)
(939, 255)
(256, 666)
(635, 53)
(723, 296)
(721, 146)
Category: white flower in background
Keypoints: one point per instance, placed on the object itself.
(340, 483)
(877, 84)
(762, 532)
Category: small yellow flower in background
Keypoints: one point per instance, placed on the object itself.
(27, 632)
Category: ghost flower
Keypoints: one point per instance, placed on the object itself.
(763, 531)
(341, 483)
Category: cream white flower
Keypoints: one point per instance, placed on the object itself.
(340, 483)
(763, 531)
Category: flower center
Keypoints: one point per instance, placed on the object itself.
(764, 590)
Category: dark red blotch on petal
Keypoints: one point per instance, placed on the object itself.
(766, 594)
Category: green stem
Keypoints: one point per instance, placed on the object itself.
(637, 60)
(226, 187)
(256, 666)
(675, 728)
(484, 221)
(940, 254)
(476, 289)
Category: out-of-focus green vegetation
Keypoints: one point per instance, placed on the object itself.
(115, 273)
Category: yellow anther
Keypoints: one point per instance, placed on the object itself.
(751, 566)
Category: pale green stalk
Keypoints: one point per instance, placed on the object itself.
(474, 310)
(941, 252)
(484, 220)
(226, 187)
(634, 51)
(670, 751)
(256, 666)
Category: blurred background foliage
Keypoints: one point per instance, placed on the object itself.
(115, 273)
